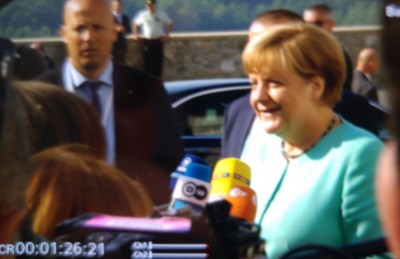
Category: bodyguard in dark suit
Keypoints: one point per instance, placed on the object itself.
(362, 85)
(133, 106)
(122, 21)
(367, 65)
(321, 15)
(238, 119)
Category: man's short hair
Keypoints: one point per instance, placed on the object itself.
(320, 8)
(279, 14)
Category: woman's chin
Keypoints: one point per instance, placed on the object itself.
(271, 128)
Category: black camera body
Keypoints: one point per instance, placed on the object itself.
(214, 235)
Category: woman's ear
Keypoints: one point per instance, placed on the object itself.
(317, 87)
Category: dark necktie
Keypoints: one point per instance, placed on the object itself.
(118, 19)
(90, 88)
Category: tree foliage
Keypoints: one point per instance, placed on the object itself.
(41, 18)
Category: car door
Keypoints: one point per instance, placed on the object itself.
(200, 120)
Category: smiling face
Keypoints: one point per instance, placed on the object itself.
(296, 72)
(89, 33)
(281, 99)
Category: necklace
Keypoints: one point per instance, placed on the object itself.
(289, 156)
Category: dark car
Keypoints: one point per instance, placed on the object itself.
(199, 107)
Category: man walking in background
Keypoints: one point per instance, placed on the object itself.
(155, 27)
(122, 22)
(321, 15)
(367, 66)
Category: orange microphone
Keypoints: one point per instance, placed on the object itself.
(244, 202)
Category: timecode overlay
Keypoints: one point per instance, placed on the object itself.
(67, 249)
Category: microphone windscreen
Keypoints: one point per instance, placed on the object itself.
(244, 202)
(192, 189)
(228, 173)
(182, 167)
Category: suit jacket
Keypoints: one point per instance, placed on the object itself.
(362, 85)
(239, 118)
(349, 71)
(148, 145)
(120, 46)
(126, 22)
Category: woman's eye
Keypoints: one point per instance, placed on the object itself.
(274, 83)
(253, 84)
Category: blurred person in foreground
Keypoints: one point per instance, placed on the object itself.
(367, 66)
(50, 116)
(306, 150)
(28, 64)
(51, 64)
(68, 181)
(134, 108)
(35, 116)
(388, 171)
(13, 173)
(321, 15)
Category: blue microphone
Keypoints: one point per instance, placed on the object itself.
(181, 169)
(192, 188)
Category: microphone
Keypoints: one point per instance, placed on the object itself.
(228, 173)
(181, 169)
(244, 203)
(192, 189)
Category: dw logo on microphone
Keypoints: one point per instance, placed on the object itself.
(190, 189)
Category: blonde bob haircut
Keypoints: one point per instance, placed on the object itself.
(303, 48)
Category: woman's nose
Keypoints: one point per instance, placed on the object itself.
(259, 92)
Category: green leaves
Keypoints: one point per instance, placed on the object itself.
(41, 18)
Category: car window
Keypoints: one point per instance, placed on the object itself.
(204, 114)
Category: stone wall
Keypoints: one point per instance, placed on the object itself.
(213, 55)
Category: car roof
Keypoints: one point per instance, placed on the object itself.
(188, 86)
(181, 91)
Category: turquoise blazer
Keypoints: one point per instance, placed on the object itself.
(325, 196)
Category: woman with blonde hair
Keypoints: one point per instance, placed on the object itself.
(68, 181)
(312, 170)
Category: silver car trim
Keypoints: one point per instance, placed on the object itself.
(192, 96)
